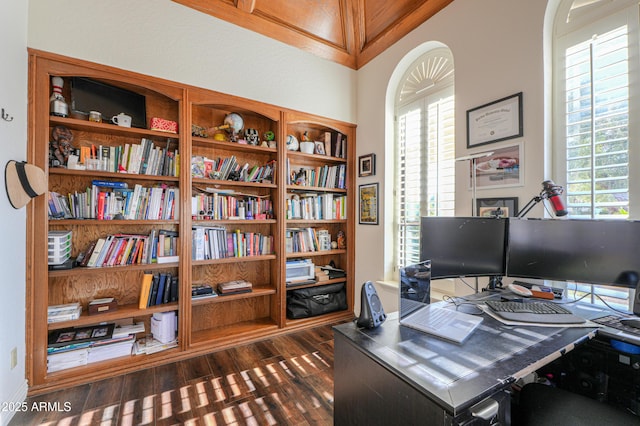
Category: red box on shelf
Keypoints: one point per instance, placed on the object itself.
(163, 125)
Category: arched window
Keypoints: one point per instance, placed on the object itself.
(596, 138)
(424, 149)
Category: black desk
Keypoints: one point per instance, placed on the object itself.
(395, 374)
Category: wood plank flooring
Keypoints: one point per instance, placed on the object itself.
(285, 380)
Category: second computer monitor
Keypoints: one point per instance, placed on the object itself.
(589, 251)
(463, 246)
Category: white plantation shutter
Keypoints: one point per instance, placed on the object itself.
(425, 168)
(597, 126)
(595, 140)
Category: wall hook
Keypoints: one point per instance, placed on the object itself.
(5, 116)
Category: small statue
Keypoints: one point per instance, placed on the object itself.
(252, 136)
(60, 147)
(342, 241)
(305, 136)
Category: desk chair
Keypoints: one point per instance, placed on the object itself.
(542, 405)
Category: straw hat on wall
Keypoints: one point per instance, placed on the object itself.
(23, 181)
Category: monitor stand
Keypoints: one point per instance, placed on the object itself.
(495, 282)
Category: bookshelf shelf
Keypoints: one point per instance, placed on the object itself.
(108, 128)
(124, 311)
(204, 325)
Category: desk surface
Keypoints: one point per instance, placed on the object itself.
(456, 376)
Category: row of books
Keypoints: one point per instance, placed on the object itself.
(144, 158)
(158, 289)
(160, 246)
(316, 206)
(300, 240)
(229, 169)
(337, 146)
(322, 176)
(218, 243)
(221, 206)
(120, 202)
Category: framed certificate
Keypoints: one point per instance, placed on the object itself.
(496, 121)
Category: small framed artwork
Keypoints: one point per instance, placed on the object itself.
(497, 207)
(501, 168)
(319, 148)
(496, 121)
(369, 204)
(367, 165)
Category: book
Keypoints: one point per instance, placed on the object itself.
(154, 290)
(145, 290)
(109, 184)
(161, 288)
(96, 252)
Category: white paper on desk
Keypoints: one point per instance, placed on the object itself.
(586, 324)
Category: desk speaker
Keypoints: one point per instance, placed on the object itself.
(371, 311)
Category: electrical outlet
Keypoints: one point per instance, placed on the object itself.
(14, 358)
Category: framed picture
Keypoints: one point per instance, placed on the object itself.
(80, 335)
(369, 204)
(502, 168)
(319, 148)
(367, 165)
(497, 207)
(496, 121)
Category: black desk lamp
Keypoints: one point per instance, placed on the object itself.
(550, 191)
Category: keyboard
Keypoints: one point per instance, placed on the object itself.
(527, 307)
(613, 321)
(533, 312)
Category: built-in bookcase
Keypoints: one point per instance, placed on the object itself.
(245, 214)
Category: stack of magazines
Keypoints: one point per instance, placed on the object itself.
(67, 312)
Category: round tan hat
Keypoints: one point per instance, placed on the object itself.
(24, 181)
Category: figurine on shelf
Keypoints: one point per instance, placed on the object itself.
(305, 137)
(342, 241)
(252, 136)
(270, 139)
(60, 146)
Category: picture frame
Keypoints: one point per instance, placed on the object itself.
(502, 168)
(496, 121)
(80, 335)
(368, 204)
(367, 165)
(497, 207)
(319, 148)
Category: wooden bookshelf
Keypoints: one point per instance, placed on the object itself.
(204, 325)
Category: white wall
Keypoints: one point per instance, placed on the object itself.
(13, 141)
(497, 47)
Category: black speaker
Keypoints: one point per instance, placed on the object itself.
(371, 311)
(636, 303)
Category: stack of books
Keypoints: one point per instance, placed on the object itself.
(149, 345)
(233, 287)
(202, 291)
(74, 347)
(67, 312)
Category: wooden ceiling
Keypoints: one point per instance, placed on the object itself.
(349, 32)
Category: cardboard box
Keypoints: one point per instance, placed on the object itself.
(162, 125)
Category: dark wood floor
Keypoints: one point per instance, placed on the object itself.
(286, 380)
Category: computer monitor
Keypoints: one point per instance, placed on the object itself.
(463, 246)
(589, 251)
